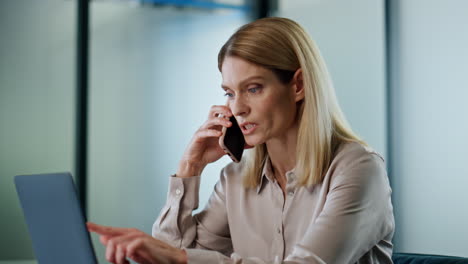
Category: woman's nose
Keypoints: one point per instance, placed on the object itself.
(239, 107)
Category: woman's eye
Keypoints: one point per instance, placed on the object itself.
(227, 94)
(254, 89)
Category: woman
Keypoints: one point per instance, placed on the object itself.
(309, 191)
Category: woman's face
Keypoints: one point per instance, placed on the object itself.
(264, 107)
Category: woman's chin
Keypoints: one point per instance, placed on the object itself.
(253, 142)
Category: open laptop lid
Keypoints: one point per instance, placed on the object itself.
(55, 220)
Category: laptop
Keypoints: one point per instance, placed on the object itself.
(55, 219)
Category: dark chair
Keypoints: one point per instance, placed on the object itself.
(407, 258)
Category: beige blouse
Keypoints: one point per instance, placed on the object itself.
(348, 218)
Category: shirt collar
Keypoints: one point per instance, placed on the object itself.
(267, 173)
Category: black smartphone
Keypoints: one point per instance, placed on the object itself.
(232, 140)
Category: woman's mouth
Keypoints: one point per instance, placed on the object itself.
(248, 128)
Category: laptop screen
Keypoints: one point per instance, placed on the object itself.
(55, 219)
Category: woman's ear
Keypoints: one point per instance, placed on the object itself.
(298, 85)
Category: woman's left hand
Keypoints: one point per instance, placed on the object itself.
(123, 243)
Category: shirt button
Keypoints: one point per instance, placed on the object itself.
(178, 191)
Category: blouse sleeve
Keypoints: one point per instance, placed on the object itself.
(206, 230)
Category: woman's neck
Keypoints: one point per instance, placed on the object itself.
(282, 152)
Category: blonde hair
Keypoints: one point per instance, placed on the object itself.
(283, 46)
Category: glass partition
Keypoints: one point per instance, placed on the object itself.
(37, 101)
(154, 77)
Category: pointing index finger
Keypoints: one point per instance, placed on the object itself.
(105, 230)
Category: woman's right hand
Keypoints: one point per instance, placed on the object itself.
(204, 147)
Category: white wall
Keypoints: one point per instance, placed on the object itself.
(351, 37)
(429, 125)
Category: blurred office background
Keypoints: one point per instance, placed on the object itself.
(399, 69)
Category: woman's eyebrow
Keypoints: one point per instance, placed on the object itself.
(225, 87)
